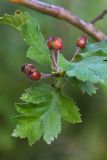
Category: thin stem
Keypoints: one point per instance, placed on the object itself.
(53, 58)
(57, 74)
(57, 57)
(43, 75)
(76, 53)
(99, 17)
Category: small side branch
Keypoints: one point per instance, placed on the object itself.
(99, 17)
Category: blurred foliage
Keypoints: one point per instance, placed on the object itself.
(85, 141)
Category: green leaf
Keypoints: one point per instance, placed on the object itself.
(38, 50)
(32, 35)
(28, 127)
(43, 117)
(37, 94)
(98, 49)
(30, 109)
(47, 113)
(51, 122)
(93, 69)
(38, 54)
(99, 46)
(69, 110)
(86, 86)
(17, 20)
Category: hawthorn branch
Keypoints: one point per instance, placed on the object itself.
(99, 17)
(61, 13)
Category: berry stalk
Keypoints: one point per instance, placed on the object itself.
(53, 59)
(76, 53)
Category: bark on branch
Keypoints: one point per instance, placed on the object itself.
(61, 13)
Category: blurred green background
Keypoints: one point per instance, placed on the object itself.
(85, 141)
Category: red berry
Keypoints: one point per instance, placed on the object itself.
(49, 43)
(81, 42)
(55, 43)
(35, 76)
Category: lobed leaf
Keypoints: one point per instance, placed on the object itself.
(44, 116)
(92, 69)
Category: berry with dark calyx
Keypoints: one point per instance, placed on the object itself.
(31, 72)
(28, 68)
(35, 76)
(55, 43)
(81, 42)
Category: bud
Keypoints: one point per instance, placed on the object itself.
(81, 42)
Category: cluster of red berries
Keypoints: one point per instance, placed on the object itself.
(54, 44)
